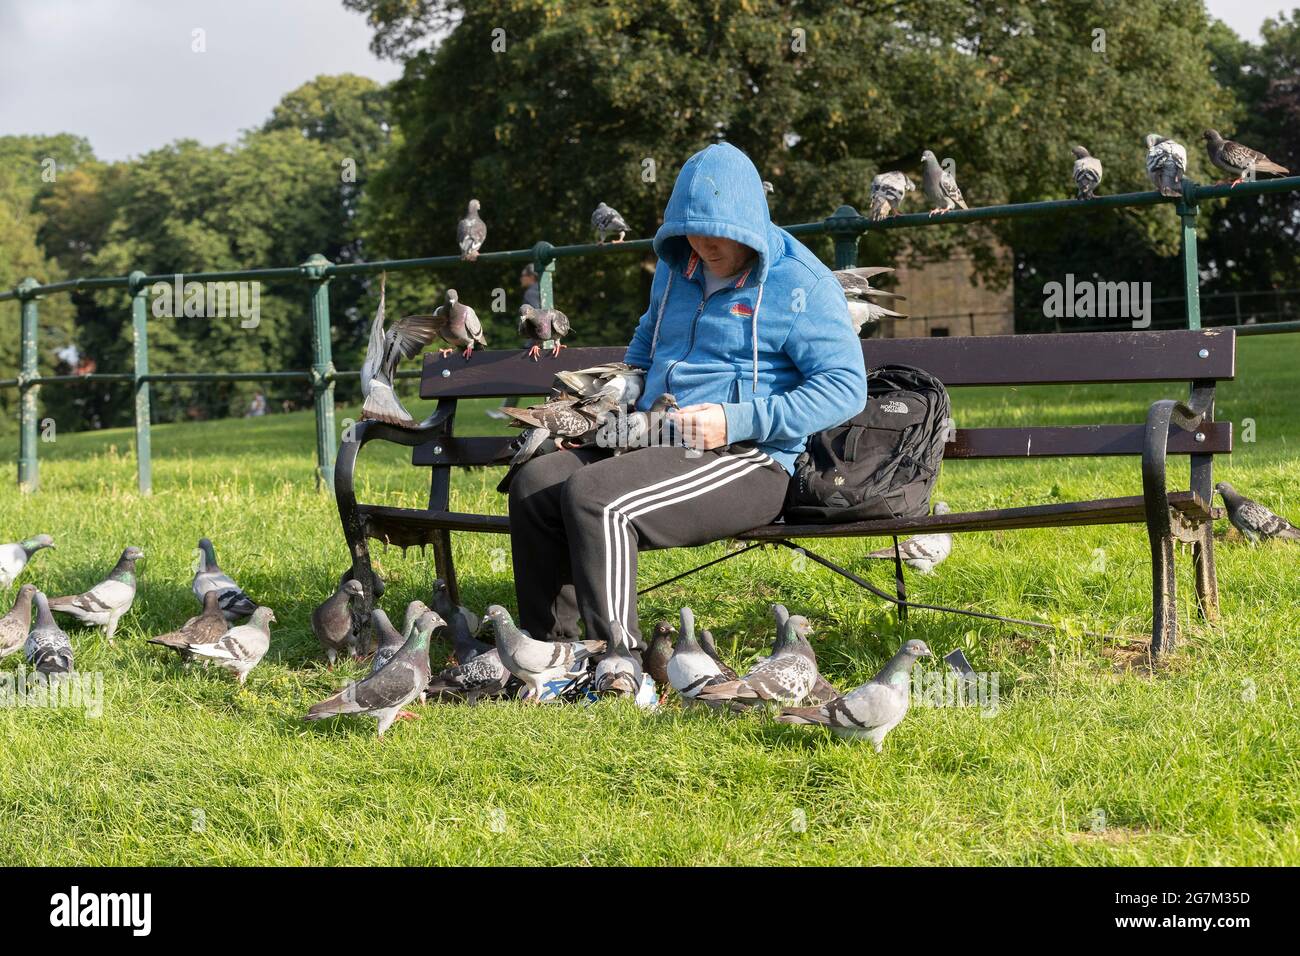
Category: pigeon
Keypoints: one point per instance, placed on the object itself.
(1237, 160)
(470, 233)
(940, 185)
(47, 648)
(656, 657)
(461, 621)
(859, 292)
(619, 670)
(336, 625)
(691, 669)
(207, 627)
(925, 552)
(108, 600)
(14, 557)
(542, 326)
(406, 338)
(613, 384)
(872, 710)
(887, 193)
(390, 638)
(785, 677)
(1166, 163)
(706, 642)
(1254, 520)
(458, 324)
(483, 675)
(768, 188)
(822, 689)
(15, 625)
(1087, 173)
(209, 577)
(605, 220)
(560, 422)
(652, 426)
(387, 690)
(547, 669)
(242, 647)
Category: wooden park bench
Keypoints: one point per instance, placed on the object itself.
(1199, 357)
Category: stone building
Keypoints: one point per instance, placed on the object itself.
(941, 300)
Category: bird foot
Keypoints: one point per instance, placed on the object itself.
(534, 352)
(937, 212)
(1236, 183)
(445, 352)
(468, 352)
(620, 237)
(406, 715)
(555, 352)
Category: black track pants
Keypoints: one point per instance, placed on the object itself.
(578, 519)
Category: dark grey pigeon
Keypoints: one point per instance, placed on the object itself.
(1254, 520)
(207, 627)
(390, 640)
(1239, 161)
(940, 186)
(543, 327)
(336, 625)
(887, 193)
(47, 649)
(471, 232)
(871, 711)
(710, 648)
(461, 622)
(15, 625)
(1166, 163)
(786, 677)
(606, 220)
(208, 576)
(660, 652)
(459, 325)
(406, 338)
(1087, 173)
(547, 669)
(387, 690)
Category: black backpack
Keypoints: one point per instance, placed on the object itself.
(884, 461)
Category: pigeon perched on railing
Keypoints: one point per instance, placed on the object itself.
(1239, 161)
(860, 293)
(336, 625)
(14, 557)
(47, 648)
(1087, 173)
(542, 326)
(925, 552)
(406, 338)
(785, 677)
(692, 668)
(940, 186)
(871, 711)
(887, 193)
(206, 627)
(1166, 163)
(243, 646)
(384, 694)
(108, 600)
(208, 576)
(15, 625)
(605, 220)
(471, 232)
(548, 669)
(458, 325)
(1254, 520)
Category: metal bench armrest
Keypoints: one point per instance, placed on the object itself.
(1186, 415)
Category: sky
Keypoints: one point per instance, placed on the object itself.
(123, 72)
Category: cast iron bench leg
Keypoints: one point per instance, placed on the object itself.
(1207, 582)
(354, 531)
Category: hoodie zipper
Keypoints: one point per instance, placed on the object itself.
(690, 342)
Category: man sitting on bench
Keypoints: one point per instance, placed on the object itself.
(751, 333)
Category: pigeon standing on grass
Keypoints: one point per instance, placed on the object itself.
(710, 648)
(483, 675)
(925, 552)
(461, 622)
(606, 220)
(336, 625)
(209, 577)
(887, 193)
(618, 671)
(387, 690)
(691, 669)
(1087, 173)
(860, 293)
(659, 653)
(389, 638)
(207, 627)
(541, 326)
(1239, 161)
(243, 646)
(47, 649)
(14, 557)
(1166, 163)
(786, 677)
(1254, 520)
(458, 325)
(406, 338)
(15, 625)
(547, 669)
(822, 689)
(871, 711)
(940, 186)
(108, 600)
(471, 232)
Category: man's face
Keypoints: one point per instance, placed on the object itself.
(723, 257)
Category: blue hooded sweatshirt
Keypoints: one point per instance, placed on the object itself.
(776, 348)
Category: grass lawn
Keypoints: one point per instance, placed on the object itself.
(1090, 758)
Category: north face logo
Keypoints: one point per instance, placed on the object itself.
(898, 408)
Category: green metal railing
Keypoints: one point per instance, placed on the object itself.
(845, 227)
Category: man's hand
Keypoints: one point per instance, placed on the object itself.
(702, 426)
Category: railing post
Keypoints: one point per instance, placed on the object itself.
(1191, 264)
(143, 417)
(28, 467)
(544, 264)
(844, 227)
(322, 369)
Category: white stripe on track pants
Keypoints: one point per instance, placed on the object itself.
(578, 519)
